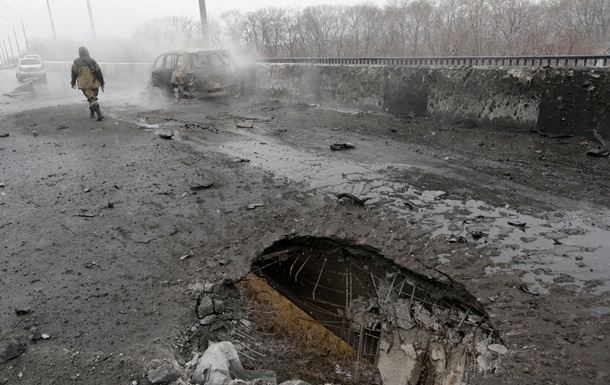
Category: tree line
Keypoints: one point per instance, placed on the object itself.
(420, 28)
(406, 28)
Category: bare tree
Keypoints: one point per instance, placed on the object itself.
(168, 32)
(583, 23)
(232, 22)
(477, 14)
(511, 20)
(318, 22)
(403, 28)
(450, 29)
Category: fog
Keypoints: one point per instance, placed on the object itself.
(118, 18)
(138, 30)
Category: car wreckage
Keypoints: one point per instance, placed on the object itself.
(194, 73)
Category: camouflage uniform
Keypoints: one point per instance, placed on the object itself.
(88, 75)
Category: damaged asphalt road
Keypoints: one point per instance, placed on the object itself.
(107, 245)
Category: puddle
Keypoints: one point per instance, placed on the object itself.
(565, 243)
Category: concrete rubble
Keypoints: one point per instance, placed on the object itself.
(220, 363)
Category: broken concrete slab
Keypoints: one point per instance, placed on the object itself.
(220, 363)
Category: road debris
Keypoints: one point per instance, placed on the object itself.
(185, 256)
(62, 126)
(244, 125)
(85, 214)
(531, 289)
(4, 135)
(252, 206)
(11, 349)
(457, 239)
(478, 234)
(411, 205)
(164, 374)
(353, 198)
(603, 149)
(599, 151)
(26, 88)
(519, 225)
(341, 146)
(500, 349)
(164, 135)
(220, 363)
(202, 186)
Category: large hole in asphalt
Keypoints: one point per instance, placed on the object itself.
(323, 310)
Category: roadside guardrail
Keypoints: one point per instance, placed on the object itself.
(500, 61)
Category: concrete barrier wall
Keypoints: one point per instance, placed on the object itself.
(555, 101)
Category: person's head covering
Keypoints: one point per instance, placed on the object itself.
(83, 52)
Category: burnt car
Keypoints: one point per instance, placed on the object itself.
(194, 73)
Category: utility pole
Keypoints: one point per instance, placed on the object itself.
(205, 36)
(91, 20)
(15, 33)
(8, 36)
(52, 24)
(25, 37)
(5, 58)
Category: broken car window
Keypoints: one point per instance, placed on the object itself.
(171, 61)
(158, 63)
(199, 60)
(215, 61)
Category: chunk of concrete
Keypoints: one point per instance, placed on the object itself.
(220, 363)
(500, 349)
(206, 307)
(396, 366)
(164, 374)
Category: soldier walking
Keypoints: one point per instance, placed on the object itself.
(88, 75)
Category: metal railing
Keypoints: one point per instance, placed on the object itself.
(500, 61)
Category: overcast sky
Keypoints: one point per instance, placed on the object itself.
(114, 18)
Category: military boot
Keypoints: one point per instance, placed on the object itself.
(93, 106)
(100, 116)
